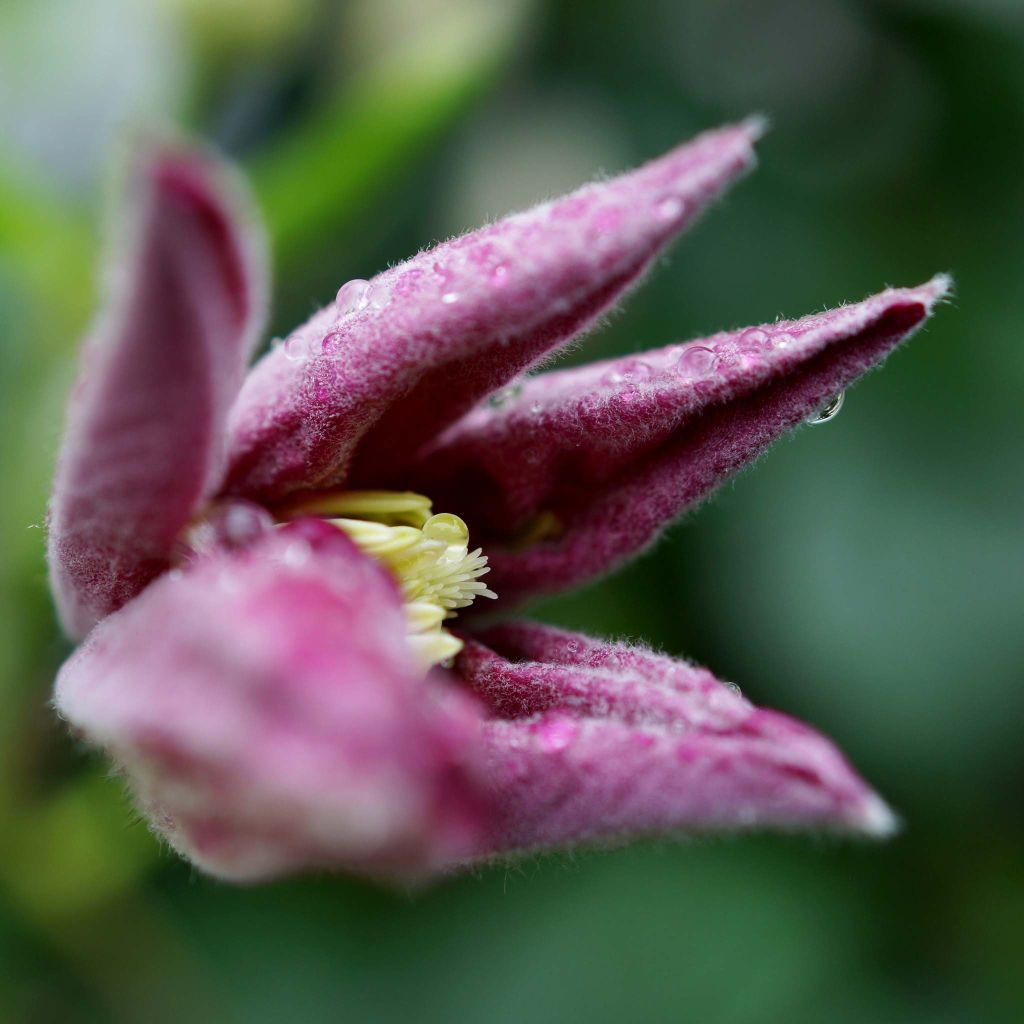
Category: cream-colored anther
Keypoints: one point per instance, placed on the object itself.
(427, 554)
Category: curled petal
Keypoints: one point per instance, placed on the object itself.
(367, 381)
(144, 447)
(266, 712)
(585, 467)
(592, 740)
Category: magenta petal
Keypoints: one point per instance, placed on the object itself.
(265, 710)
(585, 467)
(144, 447)
(593, 740)
(367, 381)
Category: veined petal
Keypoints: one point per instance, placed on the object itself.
(357, 390)
(143, 446)
(265, 709)
(585, 467)
(596, 741)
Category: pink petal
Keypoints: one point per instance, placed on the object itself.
(368, 380)
(592, 740)
(585, 467)
(143, 447)
(265, 709)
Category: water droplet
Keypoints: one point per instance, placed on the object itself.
(333, 343)
(236, 524)
(379, 293)
(614, 377)
(754, 340)
(696, 361)
(556, 734)
(535, 408)
(829, 411)
(297, 554)
(734, 687)
(782, 340)
(505, 395)
(670, 208)
(294, 348)
(449, 297)
(352, 296)
(499, 276)
(640, 370)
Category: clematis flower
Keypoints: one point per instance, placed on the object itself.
(267, 567)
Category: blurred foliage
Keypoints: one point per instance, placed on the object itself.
(867, 577)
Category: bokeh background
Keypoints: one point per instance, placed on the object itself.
(867, 576)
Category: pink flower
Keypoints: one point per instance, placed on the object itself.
(266, 595)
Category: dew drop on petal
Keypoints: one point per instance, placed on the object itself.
(499, 276)
(505, 396)
(696, 361)
(294, 348)
(449, 298)
(782, 340)
(828, 411)
(352, 296)
(556, 734)
(297, 554)
(333, 343)
(378, 295)
(734, 688)
(670, 208)
(754, 339)
(614, 377)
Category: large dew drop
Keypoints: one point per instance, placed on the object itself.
(352, 296)
(829, 411)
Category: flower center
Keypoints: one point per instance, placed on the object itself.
(427, 554)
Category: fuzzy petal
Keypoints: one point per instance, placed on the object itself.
(144, 444)
(265, 709)
(597, 741)
(370, 379)
(585, 467)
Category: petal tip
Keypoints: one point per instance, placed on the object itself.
(875, 819)
(755, 127)
(938, 289)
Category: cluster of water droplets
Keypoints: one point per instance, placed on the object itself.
(357, 295)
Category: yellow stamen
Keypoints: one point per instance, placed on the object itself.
(428, 555)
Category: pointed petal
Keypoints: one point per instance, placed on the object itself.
(265, 709)
(595, 741)
(143, 446)
(585, 467)
(368, 380)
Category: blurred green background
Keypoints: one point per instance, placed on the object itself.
(867, 576)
